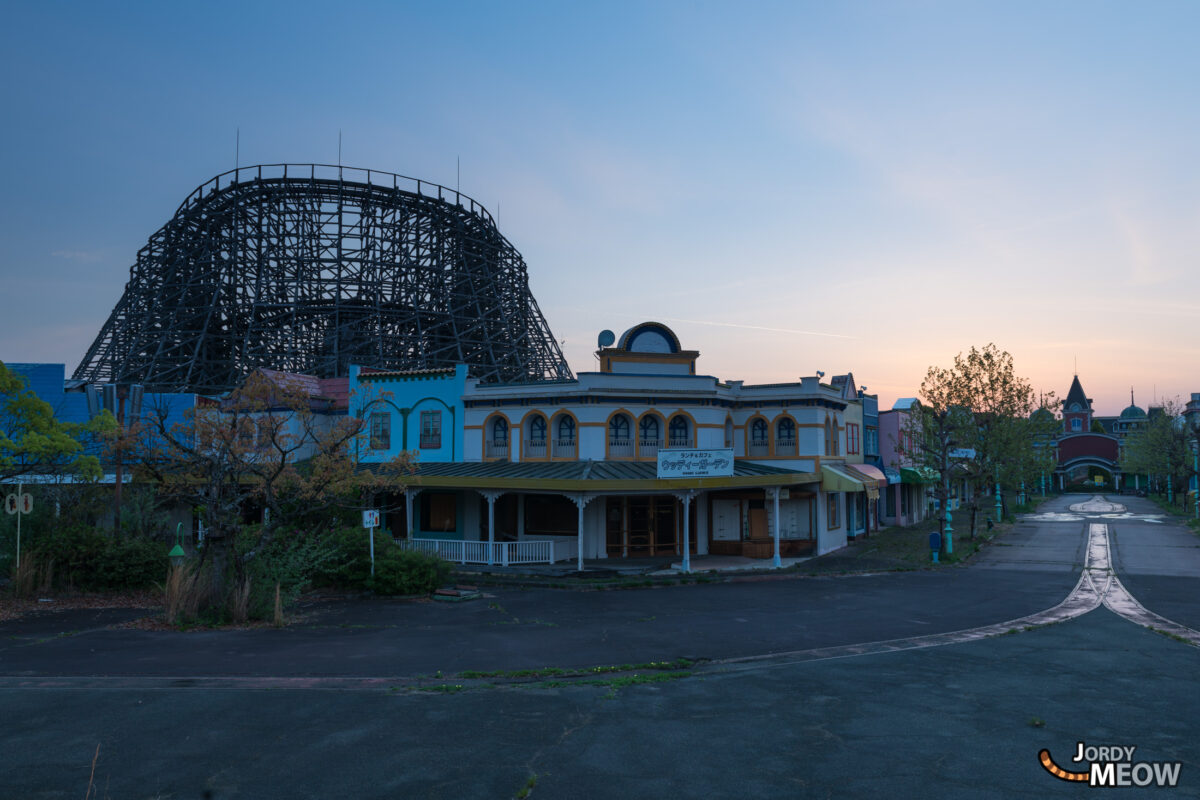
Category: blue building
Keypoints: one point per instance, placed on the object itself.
(70, 403)
(417, 411)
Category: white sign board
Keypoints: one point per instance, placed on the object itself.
(371, 518)
(22, 503)
(695, 463)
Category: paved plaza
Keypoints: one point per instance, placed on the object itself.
(1076, 627)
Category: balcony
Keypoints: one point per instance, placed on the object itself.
(785, 447)
(564, 448)
(533, 448)
(759, 450)
(648, 448)
(494, 450)
(677, 442)
(620, 448)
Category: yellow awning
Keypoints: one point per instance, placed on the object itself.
(838, 479)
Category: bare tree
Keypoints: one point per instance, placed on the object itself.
(267, 445)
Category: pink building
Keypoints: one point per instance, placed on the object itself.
(906, 498)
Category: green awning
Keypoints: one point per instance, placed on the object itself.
(919, 475)
(837, 479)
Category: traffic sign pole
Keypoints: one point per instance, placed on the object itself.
(370, 522)
(20, 495)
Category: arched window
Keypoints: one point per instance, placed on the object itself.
(758, 432)
(618, 429)
(648, 430)
(677, 429)
(729, 433)
(566, 429)
(785, 432)
(500, 432)
(828, 437)
(537, 429)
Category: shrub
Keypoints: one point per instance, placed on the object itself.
(286, 566)
(349, 562)
(406, 572)
(85, 559)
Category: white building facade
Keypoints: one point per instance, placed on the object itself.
(574, 463)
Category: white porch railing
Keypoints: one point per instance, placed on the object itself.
(533, 448)
(493, 450)
(529, 551)
(564, 448)
(785, 447)
(620, 448)
(648, 447)
(759, 449)
(678, 441)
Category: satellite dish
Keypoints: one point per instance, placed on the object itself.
(606, 338)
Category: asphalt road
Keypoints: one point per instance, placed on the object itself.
(963, 720)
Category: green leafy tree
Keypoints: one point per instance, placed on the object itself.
(34, 441)
(982, 407)
(1161, 449)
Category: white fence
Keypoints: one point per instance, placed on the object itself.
(530, 551)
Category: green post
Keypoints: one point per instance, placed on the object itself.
(177, 554)
(1196, 470)
(999, 502)
(949, 535)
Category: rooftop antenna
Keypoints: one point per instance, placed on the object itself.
(237, 150)
(339, 147)
(457, 174)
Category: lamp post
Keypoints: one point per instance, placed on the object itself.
(177, 554)
(1196, 471)
(1196, 458)
(1170, 488)
(999, 503)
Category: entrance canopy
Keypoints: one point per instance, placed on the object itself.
(839, 479)
(919, 475)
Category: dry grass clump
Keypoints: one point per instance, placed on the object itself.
(182, 593)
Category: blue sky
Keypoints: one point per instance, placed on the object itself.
(871, 187)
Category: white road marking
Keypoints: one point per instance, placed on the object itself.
(1098, 504)
(1098, 585)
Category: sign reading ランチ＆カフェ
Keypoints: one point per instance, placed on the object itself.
(695, 463)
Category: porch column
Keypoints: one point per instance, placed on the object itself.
(686, 499)
(581, 501)
(410, 502)
(491, 501)
(775, 496)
